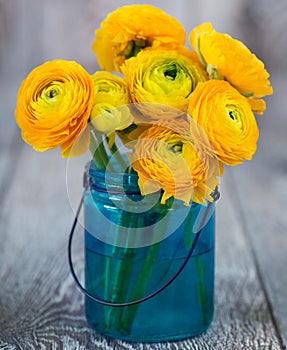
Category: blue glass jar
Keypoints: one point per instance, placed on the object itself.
(133, 246)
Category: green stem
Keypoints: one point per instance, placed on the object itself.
(201, 287)
(96, 154)
(125, 273)
(124, 269)
(119, 312)
(118, 157)
(188, 239)
(140, 286)
(98, 151)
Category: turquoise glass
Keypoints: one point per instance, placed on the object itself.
(133, 246)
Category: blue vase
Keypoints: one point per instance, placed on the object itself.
(134, 245)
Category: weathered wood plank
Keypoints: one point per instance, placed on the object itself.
(262, 191)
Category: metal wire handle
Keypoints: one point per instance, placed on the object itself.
(157, 291)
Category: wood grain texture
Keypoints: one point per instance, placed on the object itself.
(262, 190)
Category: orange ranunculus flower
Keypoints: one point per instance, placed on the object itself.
(234, 62)
(53, 106)
(110, 111)
(226, 119)
(164, 159)
(130, 29)
(163, 76)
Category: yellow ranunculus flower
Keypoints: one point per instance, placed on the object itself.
(110, 111)
(234, 62)
(130, 29)
(110, 87)
(168, 160)
(53, 106)
(107, 118)
(226, 118)
(163, 76)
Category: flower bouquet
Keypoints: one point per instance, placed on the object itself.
(161, 121)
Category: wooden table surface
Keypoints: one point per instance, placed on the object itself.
(40, 305)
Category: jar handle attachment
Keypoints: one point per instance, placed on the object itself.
(157, 291)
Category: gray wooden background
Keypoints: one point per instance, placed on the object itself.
(40, 306)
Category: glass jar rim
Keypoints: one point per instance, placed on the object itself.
(112, 182)
(119, 182)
